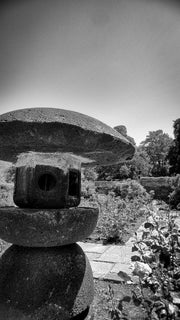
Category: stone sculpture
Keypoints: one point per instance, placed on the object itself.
(44, 274)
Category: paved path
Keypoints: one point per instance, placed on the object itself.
(108, 260)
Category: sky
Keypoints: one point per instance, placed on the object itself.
(114, 60)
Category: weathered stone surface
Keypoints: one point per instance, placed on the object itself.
(7, 172)
(162, 186)
(47, 180)
(6, 194)
(44, 283)
(46, 227)
(6, 184)
(59, 130)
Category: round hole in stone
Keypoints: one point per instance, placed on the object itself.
(46, 182)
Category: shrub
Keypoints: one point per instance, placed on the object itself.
(116, 212)
(174, 197)
(89, 174)
(158, 266)
(130, 189)
(124, 172)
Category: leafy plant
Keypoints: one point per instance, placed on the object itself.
(174, 197)
(114, 308)
(174, 151)
(117, 212)
(158, 267)
(156, 145)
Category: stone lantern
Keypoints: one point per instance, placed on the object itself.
(44, 274)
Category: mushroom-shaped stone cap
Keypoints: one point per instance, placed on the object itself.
(59, 130)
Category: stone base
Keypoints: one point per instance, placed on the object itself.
(13, 314)
(45, 283)
(46, 227)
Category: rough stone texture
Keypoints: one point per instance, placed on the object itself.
(161, 186)
(7, 172)
(6, 194)
(44, 283)
(58, 130)
(6, 184)
(46, 227)
(47, 180)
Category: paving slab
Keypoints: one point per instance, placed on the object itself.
(117, 254)
(100, 269)
(108, 260)
(113, 276)
(92, 255)
(93, 247)
(127, 268)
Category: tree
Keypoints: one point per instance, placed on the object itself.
(140, 164)
(174, 151)
(156, 145)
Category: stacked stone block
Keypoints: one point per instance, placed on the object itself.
(45, 271)
(44, 274)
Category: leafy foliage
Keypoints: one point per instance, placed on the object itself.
(159, 266)
(156, 145)
(122, 206)
(130, 189)
(150, 158)
(174, 152)
(174, 197)
(89, 174)
(138, 166)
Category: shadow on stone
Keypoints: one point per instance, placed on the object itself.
(82, 315)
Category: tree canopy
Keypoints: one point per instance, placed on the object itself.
(174, 151)
(150, 158)
(156, 145)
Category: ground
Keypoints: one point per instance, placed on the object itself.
(102, 302)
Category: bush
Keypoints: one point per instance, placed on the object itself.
(117, 210)
(124, 172)
(158, 265)
(162, 186)
(174, 197)
(130, 189)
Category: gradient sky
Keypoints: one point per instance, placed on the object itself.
(115, 60)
